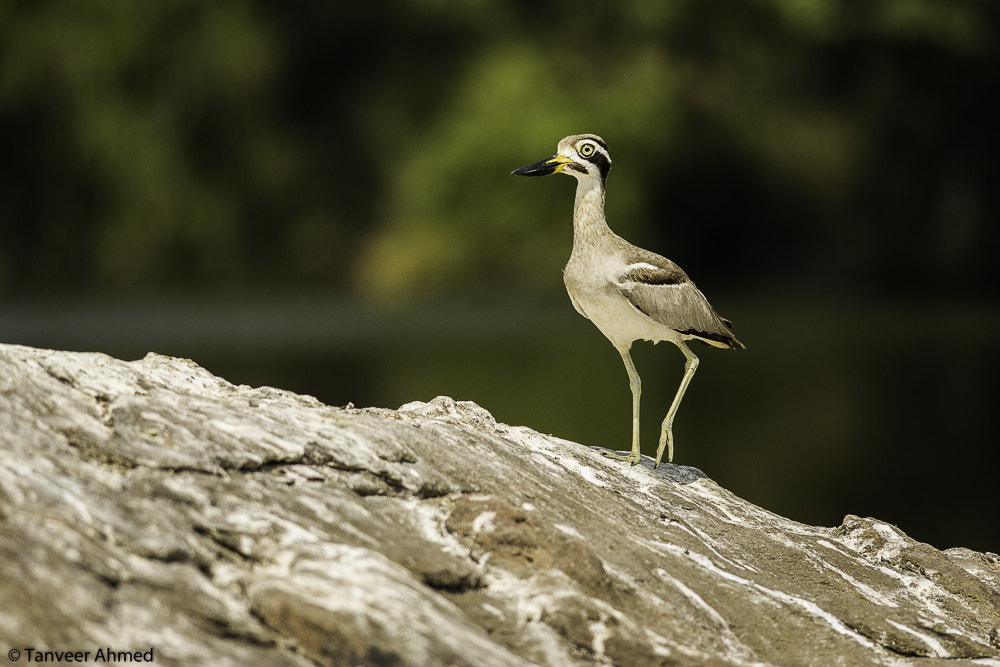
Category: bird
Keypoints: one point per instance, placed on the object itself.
(629, 293)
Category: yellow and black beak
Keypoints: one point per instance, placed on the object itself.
(553, 165)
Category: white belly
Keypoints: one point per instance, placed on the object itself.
(617, 318)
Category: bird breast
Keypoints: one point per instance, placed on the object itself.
(592, 284)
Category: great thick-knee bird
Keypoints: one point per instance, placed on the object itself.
(628, 292)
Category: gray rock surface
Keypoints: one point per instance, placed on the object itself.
(149, 505)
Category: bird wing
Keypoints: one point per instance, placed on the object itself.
(659, 289)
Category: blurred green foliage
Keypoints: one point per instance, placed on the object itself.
(183, 145)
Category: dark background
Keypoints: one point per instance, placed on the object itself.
(317, 197)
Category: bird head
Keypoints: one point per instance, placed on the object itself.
(579, 155)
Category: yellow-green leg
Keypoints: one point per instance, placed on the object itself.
(636, 384)
(667, 432)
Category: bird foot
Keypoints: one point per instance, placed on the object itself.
(632, 457)
(666, 441)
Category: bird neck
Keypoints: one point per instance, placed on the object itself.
(588, 210)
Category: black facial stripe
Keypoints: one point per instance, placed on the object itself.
(602, 162)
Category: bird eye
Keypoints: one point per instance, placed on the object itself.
(587, 149)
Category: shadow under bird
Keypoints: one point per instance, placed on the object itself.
(627, 292)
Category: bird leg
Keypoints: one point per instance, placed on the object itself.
(667, 433)
(636, 384)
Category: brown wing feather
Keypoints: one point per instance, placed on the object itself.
(662, 291)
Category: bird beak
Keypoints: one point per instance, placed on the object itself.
(553, 165)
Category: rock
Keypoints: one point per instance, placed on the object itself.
(150, 506)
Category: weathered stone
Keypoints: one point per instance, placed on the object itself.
(149, 504)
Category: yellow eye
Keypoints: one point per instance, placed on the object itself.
(587, 149)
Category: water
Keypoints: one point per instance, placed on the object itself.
(834, 409)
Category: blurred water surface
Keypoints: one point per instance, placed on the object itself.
(835, 408)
